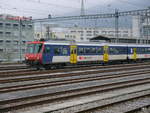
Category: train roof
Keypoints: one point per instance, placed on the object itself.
(87, 43)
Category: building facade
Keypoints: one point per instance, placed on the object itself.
(84, 34)
(14, 33)
(141, 28)
(124, 34)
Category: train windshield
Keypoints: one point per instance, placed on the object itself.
(34, 48)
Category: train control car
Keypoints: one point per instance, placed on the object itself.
(60, 53)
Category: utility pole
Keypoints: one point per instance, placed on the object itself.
(146, 17)
(116, 25)
(41, 34)
(20, 39)
(82, 8)
(141, 29)
(82, 13)
(48, 30)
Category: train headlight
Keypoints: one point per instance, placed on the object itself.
(38, 58)
(27, 58)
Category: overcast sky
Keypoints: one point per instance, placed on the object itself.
(41, 8)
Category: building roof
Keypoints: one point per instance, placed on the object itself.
(99, 37)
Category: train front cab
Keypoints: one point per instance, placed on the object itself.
(33, 54)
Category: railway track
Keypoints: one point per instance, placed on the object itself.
(13, 67)
(66, 69)
(19, 92)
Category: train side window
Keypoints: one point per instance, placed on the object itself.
(148, 50)
(114, 50)
(47, 49)
(111, 50)
(93, 50)
(143, 50)
(72, 51)
(57, 51)
(81, 50)
(75, 51)
(87, 50)
(64, 51)
(99, 50)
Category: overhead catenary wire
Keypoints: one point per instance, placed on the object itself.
(27, 11)
(32, 11)
(131, 3)
(52, 4)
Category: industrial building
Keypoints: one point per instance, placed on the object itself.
(14, 33)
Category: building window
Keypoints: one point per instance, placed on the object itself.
(1, 42)
(16, 26)
(1, 24)
(8, 34)
(23, 42)
(89, 31)
(1, 50)
(15, 42)
(111, 35)
(146, 30)
(8, 42)
(23, 50)
(15, 33)
(8, 25)
(1, 33)
(73, 31)
(38, 35)
(30, 26)
(89, 35)
(110, 32)
(125, 35)
(23, 26)
(125, 31)
(80, 31)
(104, 32)
(81, 38)
(66, 36)
(95, 31)
(15, 50)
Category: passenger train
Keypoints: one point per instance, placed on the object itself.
(61, 53)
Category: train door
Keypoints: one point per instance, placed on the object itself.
(134, 56)
(105, 55)
(73, 54)
(47, 55)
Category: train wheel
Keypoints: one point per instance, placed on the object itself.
(53, 67)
